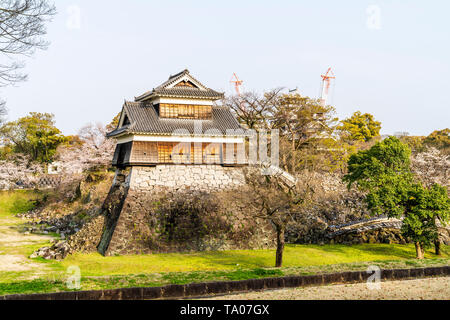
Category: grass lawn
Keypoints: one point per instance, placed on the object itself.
(294, 256)
(14, 202)
(100, 272)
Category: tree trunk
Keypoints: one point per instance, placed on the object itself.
(419, 250)
(280, 247)
(437, 247)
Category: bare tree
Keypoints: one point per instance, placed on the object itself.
(253, 110)
(277, 202)
(93, 134)
(22, 27)
(2, 112)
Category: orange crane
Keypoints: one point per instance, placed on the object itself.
(326, 86)
(237, 83)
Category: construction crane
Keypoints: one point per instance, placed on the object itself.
(237, 83)
(326, 82)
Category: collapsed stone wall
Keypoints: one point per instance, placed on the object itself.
(133, 215)
(334, 205)
(374, 230)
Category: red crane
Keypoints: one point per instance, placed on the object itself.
(237, 83)
(326, 86)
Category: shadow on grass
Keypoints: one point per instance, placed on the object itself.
(381, 250)
(32, 286)
(314, 254)
(240, 259)
(19, 201)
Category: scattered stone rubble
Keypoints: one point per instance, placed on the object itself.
(58, 251)
(78, 224)
(63, 226)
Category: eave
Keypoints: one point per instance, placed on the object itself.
(151, 95)
(130, 133)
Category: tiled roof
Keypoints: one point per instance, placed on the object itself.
(181, 92)
(188, 92)
(145, 120)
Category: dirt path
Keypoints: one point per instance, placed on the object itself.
(13, 248)
(422, 289)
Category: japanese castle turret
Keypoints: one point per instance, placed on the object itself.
(177, 136)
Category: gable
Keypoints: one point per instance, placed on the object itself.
(185, 83)
(181, 85)
(124, 119)
(183, 80)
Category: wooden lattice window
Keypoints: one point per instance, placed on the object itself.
(211, 153)
(168, 111)
(229, 153)
(181, 153)
(234, 153)
(197, 152)
(165, 152)
(144, 152)
(185, 111)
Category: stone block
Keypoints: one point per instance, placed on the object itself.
(114, 294)
(151, 293)
(446, 270)
(401, 273)
(313, 280)
(353, 276)
(433, 271)
(173, 291)
(293, 282)
(195, 289)
(131, 294)
(387, 274)
(255, 284)
(416, 273)
(58, 296)
(332, 278)
(89, 295)
(217, 287)
(28, 297)
(274, 283)
(237, 286)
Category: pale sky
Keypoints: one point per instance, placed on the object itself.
(396, 66)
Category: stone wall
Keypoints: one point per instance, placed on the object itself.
(188, 177)
(133, 216)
